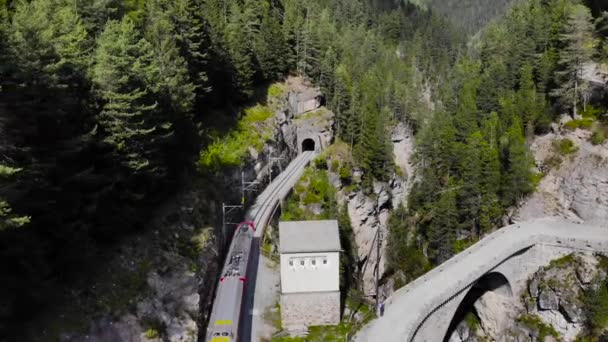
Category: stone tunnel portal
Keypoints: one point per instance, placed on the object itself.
(308, 145)
(493, 281)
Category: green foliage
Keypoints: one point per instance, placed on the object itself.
(598, 137)
(312, 188)
(472, 321)
(564, 147)
(403, 254)
(123, 72)
(534, 322)
(563, 261)
(580, 45)
(595, 299)
(152, 333)
(253, 131)
(346, 175)
(585, 123)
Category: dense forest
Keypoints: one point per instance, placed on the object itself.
(474, 163)
(105, 106)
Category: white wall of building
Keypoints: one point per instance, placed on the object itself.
(314, 275)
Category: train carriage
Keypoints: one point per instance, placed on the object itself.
(226, 312)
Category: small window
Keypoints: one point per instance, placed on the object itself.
(324, 261)
(224, 334)
(314, 262)
(290, 262)
(216, 334)
(302, 262)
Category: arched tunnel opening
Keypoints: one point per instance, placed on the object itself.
(493, 281)
(308, 145)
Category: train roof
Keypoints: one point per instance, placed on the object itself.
(309, 236)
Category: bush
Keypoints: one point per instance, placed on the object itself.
(275, 90)
(598, 137)
(584, 123)
(152, 333)
(564, 146)
(591, 112)
(534, 322)
(335, 165)
(596, 303)
(231, 150)
(346, 175)
(321, 163)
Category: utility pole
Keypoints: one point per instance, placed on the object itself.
(272, 161)
(246, 186)
(227, 209)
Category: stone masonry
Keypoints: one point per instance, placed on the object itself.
(300, 310)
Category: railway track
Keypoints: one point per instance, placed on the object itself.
(260, 213)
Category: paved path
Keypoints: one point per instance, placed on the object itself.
(408, 307)
(260, 294)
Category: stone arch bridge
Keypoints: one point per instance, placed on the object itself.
(502, 261)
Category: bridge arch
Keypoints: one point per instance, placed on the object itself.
(490, 282)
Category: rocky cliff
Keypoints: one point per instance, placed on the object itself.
(555, 306)
(575, 185)
(369, 213)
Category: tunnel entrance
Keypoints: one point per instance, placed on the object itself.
(308, 145)
(493, 281)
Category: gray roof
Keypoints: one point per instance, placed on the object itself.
(309, 236)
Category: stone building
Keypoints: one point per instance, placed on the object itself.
(310, 273)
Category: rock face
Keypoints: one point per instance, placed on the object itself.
(403, 150)
(552, 302)
(577, 189)
(369, 213)
(496, 312)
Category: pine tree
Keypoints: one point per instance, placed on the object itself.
(442, 228)
(349, 255)
(124, 64)
(580, 46)
(518, 163)
(240, 49)
(7, 218)
(372, 149)
(193, 39)
(466, 117)
(530, 104)
(270, 47)
(171, 79)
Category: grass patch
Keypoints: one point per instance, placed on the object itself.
(152, 333)
(534, 322)
(330, 333)
(252, 131)
(276, 90)
(563, 261)
(472, 321)
(564, 146)
(461, 245)
(591, 112)
(584, 123)
(312, 188)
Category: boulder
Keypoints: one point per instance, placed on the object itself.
(548, 300)
(571, 312)
(495, 314)
(533, 286)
